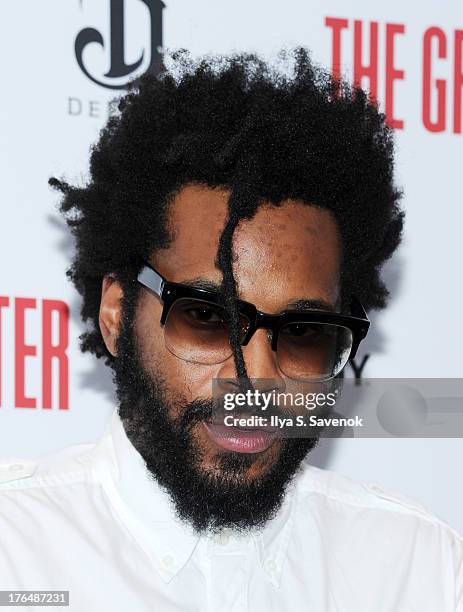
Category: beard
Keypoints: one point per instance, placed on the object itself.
(162, 430)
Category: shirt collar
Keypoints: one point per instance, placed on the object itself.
(147, 511)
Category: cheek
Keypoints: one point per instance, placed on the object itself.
(191, 381)
(183, 379)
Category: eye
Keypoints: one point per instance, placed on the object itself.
(204, 314)
(306, 330)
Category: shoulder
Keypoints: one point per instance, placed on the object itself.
(61, 467)
(375, 501)
(46, 502)
(369, 526)
(53, 492)
(50, 493)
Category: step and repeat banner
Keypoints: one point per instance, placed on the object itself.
(64, 61)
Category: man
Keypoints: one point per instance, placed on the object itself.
(233, 215)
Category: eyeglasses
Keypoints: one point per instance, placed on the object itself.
(312, 345)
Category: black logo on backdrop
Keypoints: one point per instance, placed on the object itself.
(118, 67)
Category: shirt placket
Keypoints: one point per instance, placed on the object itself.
(229, 560)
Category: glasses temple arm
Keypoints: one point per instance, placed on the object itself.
(357, 309)
(152, 280)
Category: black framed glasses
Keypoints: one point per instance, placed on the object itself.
(310, 344)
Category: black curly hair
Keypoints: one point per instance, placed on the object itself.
(264, 132)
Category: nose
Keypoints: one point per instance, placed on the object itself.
(261, 364)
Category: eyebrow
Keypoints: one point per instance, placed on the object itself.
(202, 283)
(313, 304)
(297, 305)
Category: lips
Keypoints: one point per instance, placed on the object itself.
(241, 439)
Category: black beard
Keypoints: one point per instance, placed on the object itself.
(222, 498)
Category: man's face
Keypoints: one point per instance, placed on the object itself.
(282, 255)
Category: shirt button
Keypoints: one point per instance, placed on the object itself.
(222, 539)
(270, 566)
(167, 561)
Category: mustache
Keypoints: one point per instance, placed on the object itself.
(213, 411)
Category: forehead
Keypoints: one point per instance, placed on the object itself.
(292, 250)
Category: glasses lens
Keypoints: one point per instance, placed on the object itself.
(313, 351)
(199, 331)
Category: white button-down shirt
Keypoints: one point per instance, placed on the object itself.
(90, 520)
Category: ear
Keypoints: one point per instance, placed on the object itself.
(110, 312)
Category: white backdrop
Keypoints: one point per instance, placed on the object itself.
(51, 112)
